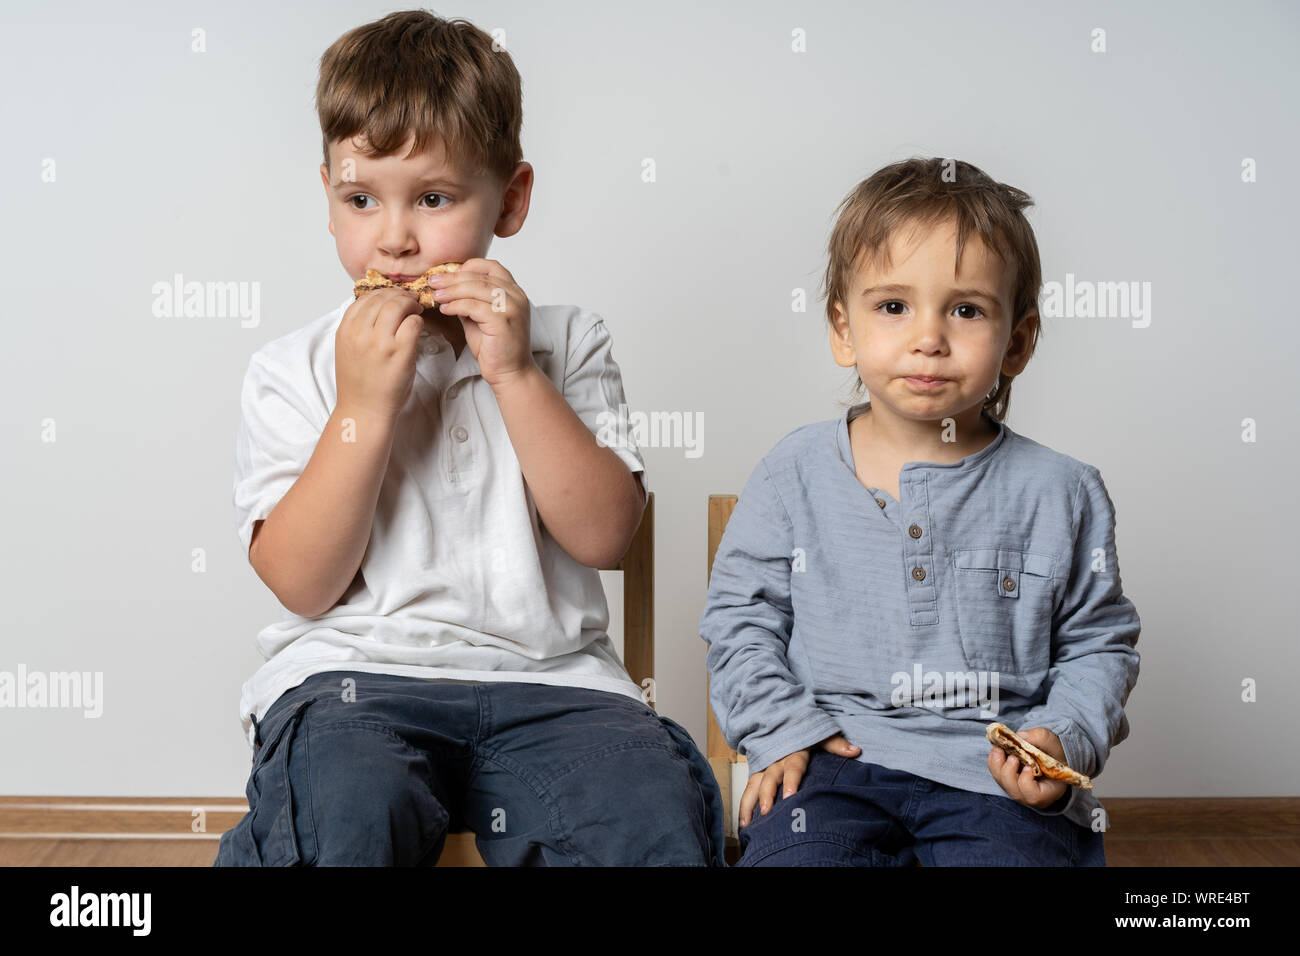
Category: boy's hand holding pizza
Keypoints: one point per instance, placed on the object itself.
(376, 345)
(374, 352)
(495, 314)
(1022, 780)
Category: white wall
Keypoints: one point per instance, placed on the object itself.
(170, 161)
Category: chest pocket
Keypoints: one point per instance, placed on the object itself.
(1004, 600)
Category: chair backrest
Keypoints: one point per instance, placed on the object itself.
(720, 508)
(638, 567)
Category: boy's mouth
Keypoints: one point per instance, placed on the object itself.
(927, 384)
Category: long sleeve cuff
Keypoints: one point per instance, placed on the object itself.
(809, 729)
(1075, 804)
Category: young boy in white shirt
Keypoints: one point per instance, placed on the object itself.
(423, 491)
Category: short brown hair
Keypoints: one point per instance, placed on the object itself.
(415, 73)
(917, 191)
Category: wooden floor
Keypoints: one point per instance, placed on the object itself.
(98, 831)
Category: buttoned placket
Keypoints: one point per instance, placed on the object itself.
(910, 518)
(457, 418)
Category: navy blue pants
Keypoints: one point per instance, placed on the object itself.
(544, 775)
(848, 812)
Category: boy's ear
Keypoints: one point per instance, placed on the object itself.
(515, 198)
(1021, 346)
(841, 340)
(325, 178)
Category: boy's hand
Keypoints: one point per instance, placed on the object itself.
(494, 313)
(374, 351)
(761, 788)
(1019, 782)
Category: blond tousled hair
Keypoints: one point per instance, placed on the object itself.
(413, 72)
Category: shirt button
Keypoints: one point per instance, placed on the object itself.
(918, 573)
(881, 502)
(1009, 583)
(914, 531)
(459, 433)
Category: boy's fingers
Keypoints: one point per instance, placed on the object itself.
(1019, 783)
(1004, 768)
(488, 267)
(474, 285)
(793, 775)
(409, 331)
(1028, 785)
(1040, 791)
(748, 799)
(386, 308)
(1006, 765)
(840, 745)
(767, 790)
(393, 313)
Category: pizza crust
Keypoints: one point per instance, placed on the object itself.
(1042, 764)
(420, 285)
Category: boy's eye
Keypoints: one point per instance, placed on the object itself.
(965, 305)
(351, 200)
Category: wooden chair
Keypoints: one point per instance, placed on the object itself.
(731, 769)
(638, 570)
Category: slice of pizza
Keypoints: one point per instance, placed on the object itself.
(1042, 764)
(419, 285)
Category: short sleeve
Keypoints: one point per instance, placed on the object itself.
(593, 387)
(274, 442)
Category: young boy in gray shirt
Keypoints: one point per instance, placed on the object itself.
(894, 580)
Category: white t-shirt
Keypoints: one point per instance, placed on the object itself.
(459, 581)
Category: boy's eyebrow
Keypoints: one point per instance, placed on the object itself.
(434, 179)
(970, 293)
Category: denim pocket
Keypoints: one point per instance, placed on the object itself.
(1004, 600)
(271, 839)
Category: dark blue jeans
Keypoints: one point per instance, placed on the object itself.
(543, 775)
(851, 813)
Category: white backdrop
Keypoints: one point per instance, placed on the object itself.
(118, 425)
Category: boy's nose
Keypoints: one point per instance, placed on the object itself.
(396, 251)
(928, 329)
(397, 241)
